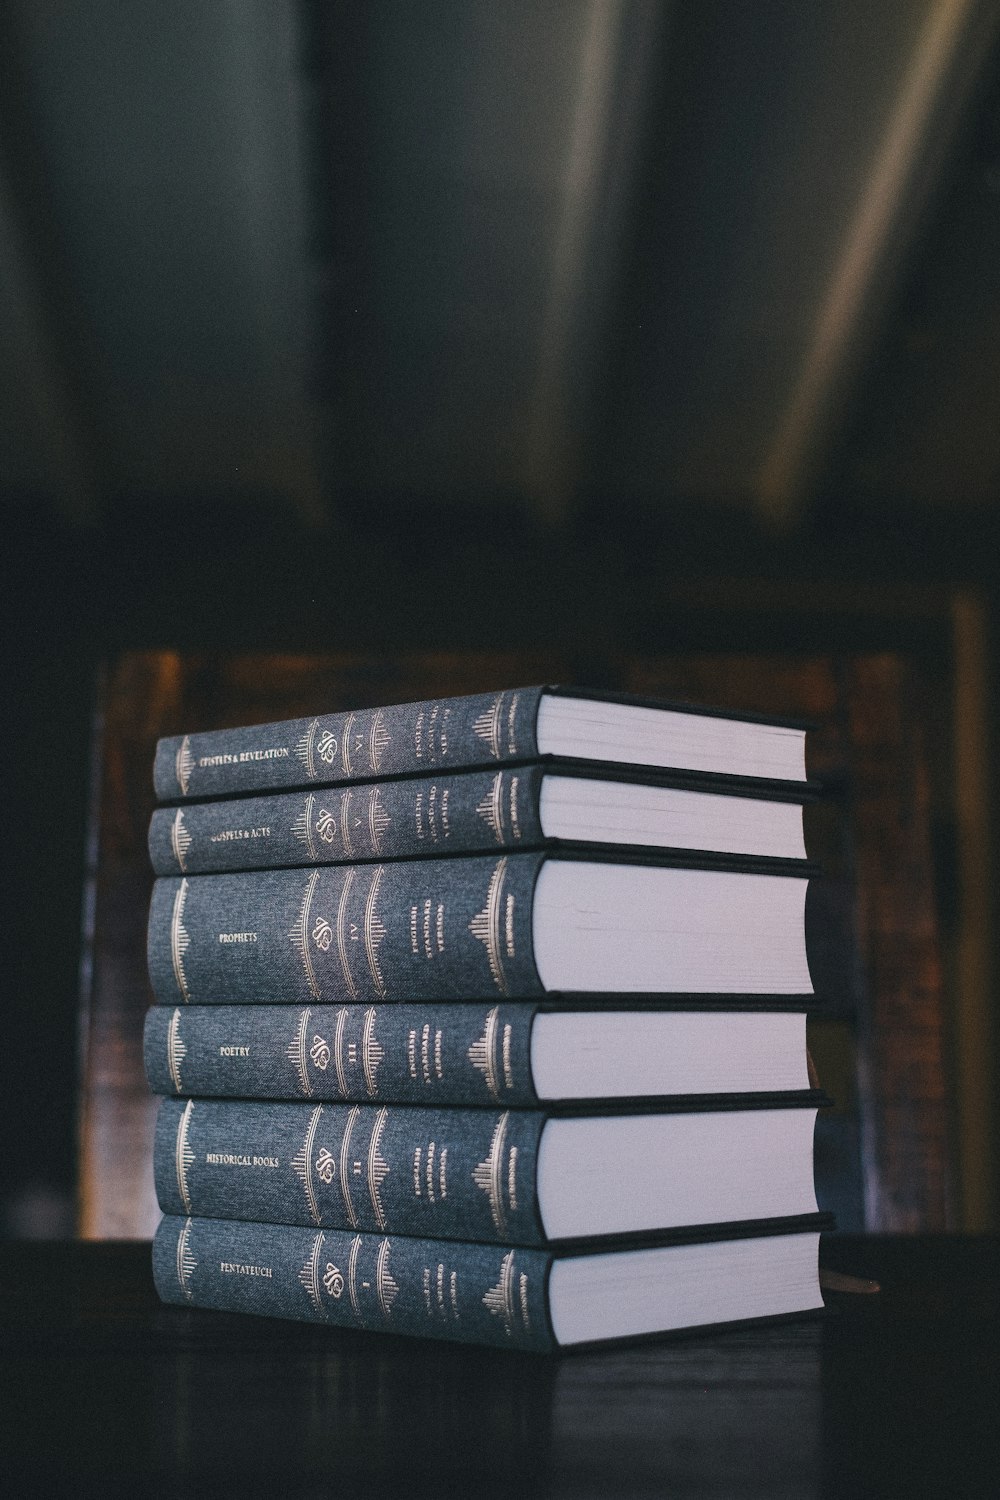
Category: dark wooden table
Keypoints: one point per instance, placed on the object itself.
(105, 1391)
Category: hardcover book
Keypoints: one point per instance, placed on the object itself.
(473, 928)
(506, 1297)
(526, 1177)
(519, 724)
(478, 811)
(515, 1054)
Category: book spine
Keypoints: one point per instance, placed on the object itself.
(347, 934)
(477, 1294)
(410, 738)
(429, 816)
(473, 1055)
(448, 1174)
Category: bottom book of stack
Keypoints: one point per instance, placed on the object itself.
(511, 1296)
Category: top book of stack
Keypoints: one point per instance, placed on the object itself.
(516, 726)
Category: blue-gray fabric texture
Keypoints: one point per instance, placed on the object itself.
(438, 929)
(478, 1294)
(426, 817)
(442, 1173)
(405, 739)
(395, 1054)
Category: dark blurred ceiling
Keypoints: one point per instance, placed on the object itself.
(542, 252)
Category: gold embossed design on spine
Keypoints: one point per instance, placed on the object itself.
(296, 1052)
(378, 1168)
(300, 934)
(345, 967)
(345, 1179)
(372, 1053)
(511, 723)
(483, 1053)
(386, 1287)
(183, 1155)
(487, 925)
(180, 941)
(345, 822)
(378, 819)
(488, 1174)
(338, 1052)
(176, 1050)
(180, 840)
(302, 827)
(342, 908)
(186, 1263)
(378, 740)
(488, 726)
(302, 1163)
(490, 809)
(374, 931)
(309, 1275)
(499, 1300)
(306, 750)
(352, 1275)
(184, 765)
(523, 1289)
(345, 746)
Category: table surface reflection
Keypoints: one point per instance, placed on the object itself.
(106, 1390)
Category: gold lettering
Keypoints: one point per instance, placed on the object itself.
(230, 835)
(509, 927)
(278, 753)
(239, 1159)
(514, 823)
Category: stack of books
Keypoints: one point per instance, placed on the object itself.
(484, 1019)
